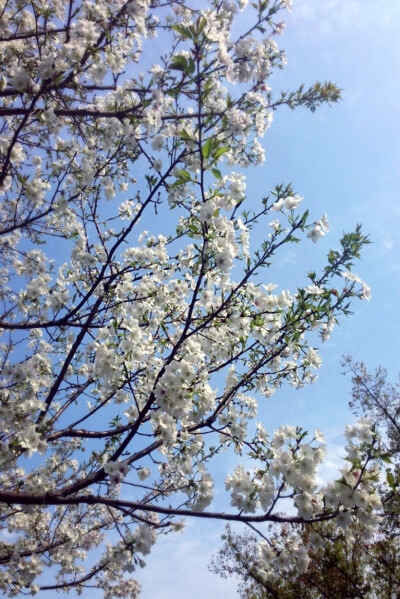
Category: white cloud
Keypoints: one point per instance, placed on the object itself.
(329, 469)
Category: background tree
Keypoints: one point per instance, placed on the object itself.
(129, 358)
(369, 566)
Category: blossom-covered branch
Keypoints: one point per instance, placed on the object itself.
(139, 326)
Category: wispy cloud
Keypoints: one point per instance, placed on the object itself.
(178, 566)
(334, 17)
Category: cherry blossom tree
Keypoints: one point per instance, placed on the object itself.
(132, 357)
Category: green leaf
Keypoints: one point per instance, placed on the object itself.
(217, 173)
(385, 458)
(185, 135)
(180, 181)
(184, 175)
(220, 151)
(206, 149)
(201, 23)
(390, 479)
(192, 66)
(183, 31)
(180, 64)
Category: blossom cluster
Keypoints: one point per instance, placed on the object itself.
(353, 496)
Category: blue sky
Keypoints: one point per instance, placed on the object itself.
(345, 161)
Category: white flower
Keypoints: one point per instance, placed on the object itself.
(20, 79)
(274, 224)
(344, 520)
(285, 300)
(366, 292)
(278, 205)
(157, 164)
(46, 67)
(143, 473)
(206, 211)
(303, 560)
(157, 144)
(351, 276)
(116, 471)
(237, 186)
(224, 261)
(291, 202)
(17, 153)
(314, 290)
(313, 358)
(324, 223)
(315, 233)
